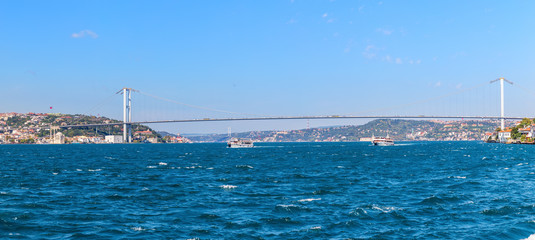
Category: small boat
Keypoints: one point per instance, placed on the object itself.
(382, 141)
(240, 143)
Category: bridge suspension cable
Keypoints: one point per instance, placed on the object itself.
(100, 104)
(424, 100)
(200, 107)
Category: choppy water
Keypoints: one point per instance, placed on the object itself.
(431, 190)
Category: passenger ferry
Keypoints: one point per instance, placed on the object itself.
(240, 143)
(382, 141)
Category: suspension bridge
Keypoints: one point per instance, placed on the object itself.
(128, 122)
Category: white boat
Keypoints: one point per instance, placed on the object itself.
(382, 141)
(234, 142)
(240, 143)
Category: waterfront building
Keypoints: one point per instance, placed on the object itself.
(504, 135)
(114, 139)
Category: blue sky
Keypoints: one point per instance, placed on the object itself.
(262, 57)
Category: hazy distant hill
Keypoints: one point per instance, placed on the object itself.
(397, 129)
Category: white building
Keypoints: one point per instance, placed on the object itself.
(59, 138)
(114, 139)
(505, 135)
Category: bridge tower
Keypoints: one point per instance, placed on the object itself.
(502, 125)
(127, 114)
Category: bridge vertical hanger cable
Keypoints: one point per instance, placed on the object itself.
(424, 100)
(201, 107)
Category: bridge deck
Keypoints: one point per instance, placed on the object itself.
(296, 118)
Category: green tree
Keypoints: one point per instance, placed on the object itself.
(525, 122)
(515, 134)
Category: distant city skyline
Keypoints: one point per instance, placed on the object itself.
(273, 58)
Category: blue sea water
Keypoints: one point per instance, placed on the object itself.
(415, 190)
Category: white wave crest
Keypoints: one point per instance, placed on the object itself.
(228, 186)
(309, 199)
(286, 205)
(531, 237)
(162, 163)
(384, 209)
(244, 166)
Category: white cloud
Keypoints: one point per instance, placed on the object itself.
(438, 84)
(388, 58)
(324, 15)
(291, 21)
(398, 61)
(330, 20)
(418, 61)
(85, 33)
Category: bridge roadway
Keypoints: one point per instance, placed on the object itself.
(295, 118)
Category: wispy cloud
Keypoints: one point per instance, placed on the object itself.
(378, 53)
(325, 15)
(369, 52)
(384, 31)
(348, 46)
(291, 21)
(459, 55)
(459, 86)
(84, 33)
(438, 84)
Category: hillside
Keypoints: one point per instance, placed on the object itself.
(33, 127)
(400, 130)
